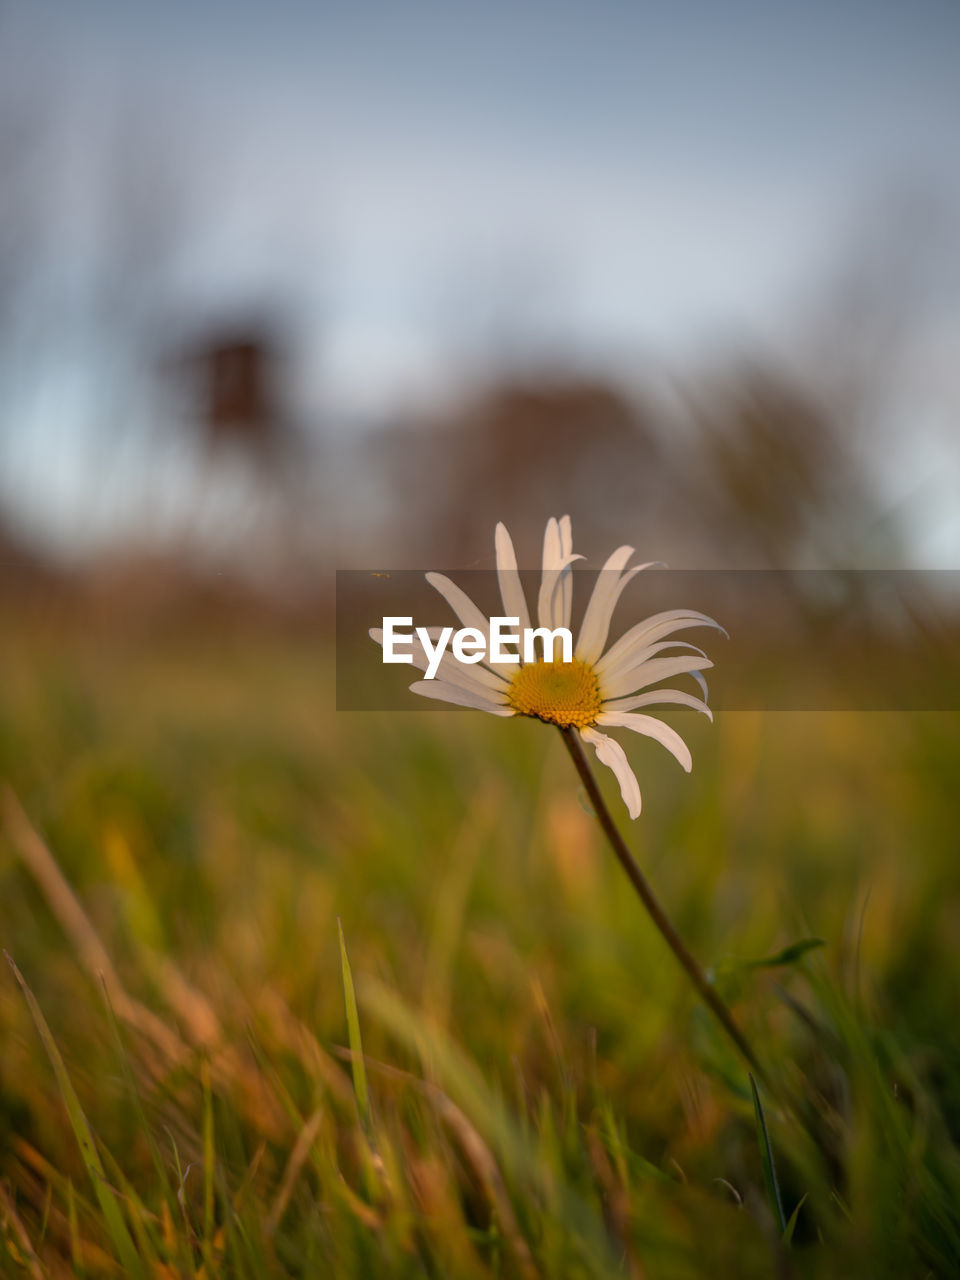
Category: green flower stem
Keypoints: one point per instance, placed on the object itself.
(656, 912)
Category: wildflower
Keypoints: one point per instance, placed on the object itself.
(602, 687)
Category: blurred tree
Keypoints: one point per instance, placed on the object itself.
(228, 393)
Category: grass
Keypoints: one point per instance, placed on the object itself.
(496, 1068)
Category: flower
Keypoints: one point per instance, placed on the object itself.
(602, 687)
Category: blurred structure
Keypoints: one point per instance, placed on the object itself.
(20, 567)
(225, 384)
(232, 378)
(224, 390)
(518, 451)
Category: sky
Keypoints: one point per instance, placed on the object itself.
(440, 184)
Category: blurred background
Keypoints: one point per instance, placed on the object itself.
(290, 288)
(300, 287)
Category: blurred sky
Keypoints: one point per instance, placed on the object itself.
(435, 184)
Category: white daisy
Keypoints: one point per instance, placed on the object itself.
(603, 687)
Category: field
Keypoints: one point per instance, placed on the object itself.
(540, 1093)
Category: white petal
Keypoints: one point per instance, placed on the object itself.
(511, 589)
(555, 601)
(565, 529)
(606, 592)
(651, 727)
(467, 675)
(473, 676)
(642, 655)
(658, 697)
(566, 579)
(612, 755)
(652, 672)
(459, 602)
(551, 545)
(551, 610)
(470, 616)
(443, 692)
(661, 624)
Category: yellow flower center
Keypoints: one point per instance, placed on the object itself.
(564, 693)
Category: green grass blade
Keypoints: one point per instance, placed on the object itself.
(792, 1223)
(169, 1193)
(112, 1216)
(131, 1083)
(766, 1157)
(73, 1225)
(208, 1154)
(141, 1220)
(463, 1082)
(353, 1033)
(789, 955)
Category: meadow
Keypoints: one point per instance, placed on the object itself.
(501, 1071)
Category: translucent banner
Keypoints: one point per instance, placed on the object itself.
(817, 640)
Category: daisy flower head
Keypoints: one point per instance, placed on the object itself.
(602, 686)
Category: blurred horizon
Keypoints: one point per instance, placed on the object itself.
(722, 245)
